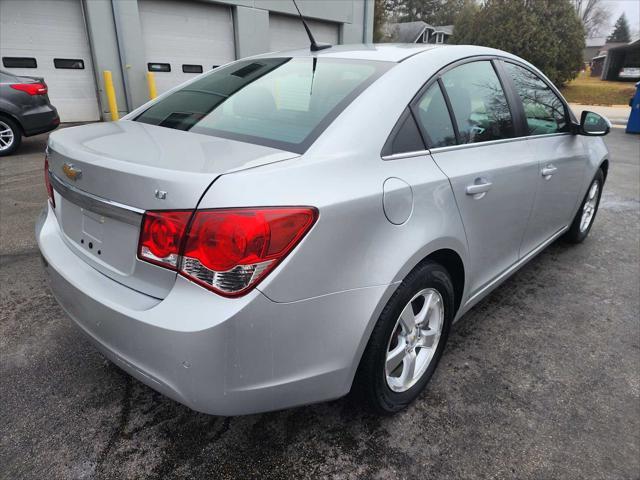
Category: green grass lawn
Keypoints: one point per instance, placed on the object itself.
(593, 91)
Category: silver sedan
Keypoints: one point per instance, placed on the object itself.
(293, 226)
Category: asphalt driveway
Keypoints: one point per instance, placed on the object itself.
(540, 380)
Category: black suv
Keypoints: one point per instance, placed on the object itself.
(25, 110)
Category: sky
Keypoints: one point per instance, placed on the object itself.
(631, 8)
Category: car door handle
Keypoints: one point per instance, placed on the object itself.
(548, 171)
(479, 188)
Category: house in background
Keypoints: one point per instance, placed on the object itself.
(622, 62)
(608, 59)
(417, 32)
(592, 48)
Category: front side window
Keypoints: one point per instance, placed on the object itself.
(479, 104)
(434, 118)
(280, 102)
(543, 109)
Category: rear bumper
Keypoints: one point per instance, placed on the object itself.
(39, 119)
(216, 355)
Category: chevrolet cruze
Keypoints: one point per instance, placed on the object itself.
(293, 226)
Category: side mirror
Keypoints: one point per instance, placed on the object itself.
(593, 125)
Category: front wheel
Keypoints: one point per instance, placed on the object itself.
(407, 341)
(583, 221)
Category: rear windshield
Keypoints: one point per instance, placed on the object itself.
(6, 77)
(279, 102)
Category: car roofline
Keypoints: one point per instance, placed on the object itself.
(384, 52)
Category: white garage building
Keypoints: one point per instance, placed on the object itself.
(71, 42)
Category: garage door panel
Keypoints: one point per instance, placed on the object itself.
(286, 33)
(201, 34)
(46, 30)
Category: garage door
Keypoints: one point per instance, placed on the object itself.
(49, 38)
(182, 39)
(287, 33)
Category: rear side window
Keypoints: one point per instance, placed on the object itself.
(7, 78)
(544, 111)
(405, 136)
(434, 118)
(479, 104)
(280, 102)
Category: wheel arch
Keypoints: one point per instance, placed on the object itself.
(5, 114)
(446, 256)
(453, 263)
(604, 166)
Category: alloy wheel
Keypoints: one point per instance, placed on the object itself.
(414, 340)
(589, 208)
(6, 136)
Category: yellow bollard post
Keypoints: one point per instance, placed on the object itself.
(111, 95)
(151, 83)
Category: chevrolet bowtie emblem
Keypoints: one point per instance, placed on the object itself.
(71, 172)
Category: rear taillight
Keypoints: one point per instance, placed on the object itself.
(47, 182)
(227, 251)
(161, 237)
(31, 88)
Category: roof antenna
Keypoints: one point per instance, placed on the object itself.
(315, 46)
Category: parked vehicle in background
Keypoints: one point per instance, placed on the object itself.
(629, 73)
(288, 226)
(25, 110)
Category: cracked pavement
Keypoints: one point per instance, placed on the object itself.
(539, 380)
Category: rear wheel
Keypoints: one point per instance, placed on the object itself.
(407, 341)
(582, 222)
(10, 136)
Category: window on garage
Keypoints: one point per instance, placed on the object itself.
(201, 35)
(19, 62)
(158, 67)
(68, 63)
(192, 68)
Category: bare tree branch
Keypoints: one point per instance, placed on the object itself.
(594, 15)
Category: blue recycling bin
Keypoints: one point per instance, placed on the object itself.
(633, 125)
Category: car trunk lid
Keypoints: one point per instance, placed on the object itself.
(106, 175)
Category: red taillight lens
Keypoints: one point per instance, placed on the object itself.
(47, 182)
(228, 250)
(161, 237)
(31, 88)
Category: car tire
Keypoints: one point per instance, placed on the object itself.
(386, 389)
(586, 215)
(10, 136)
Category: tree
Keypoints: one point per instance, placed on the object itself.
(594, 16)
(380, 17)
(433, 12)
(447, 11)
(620, 31)
(547, 33)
